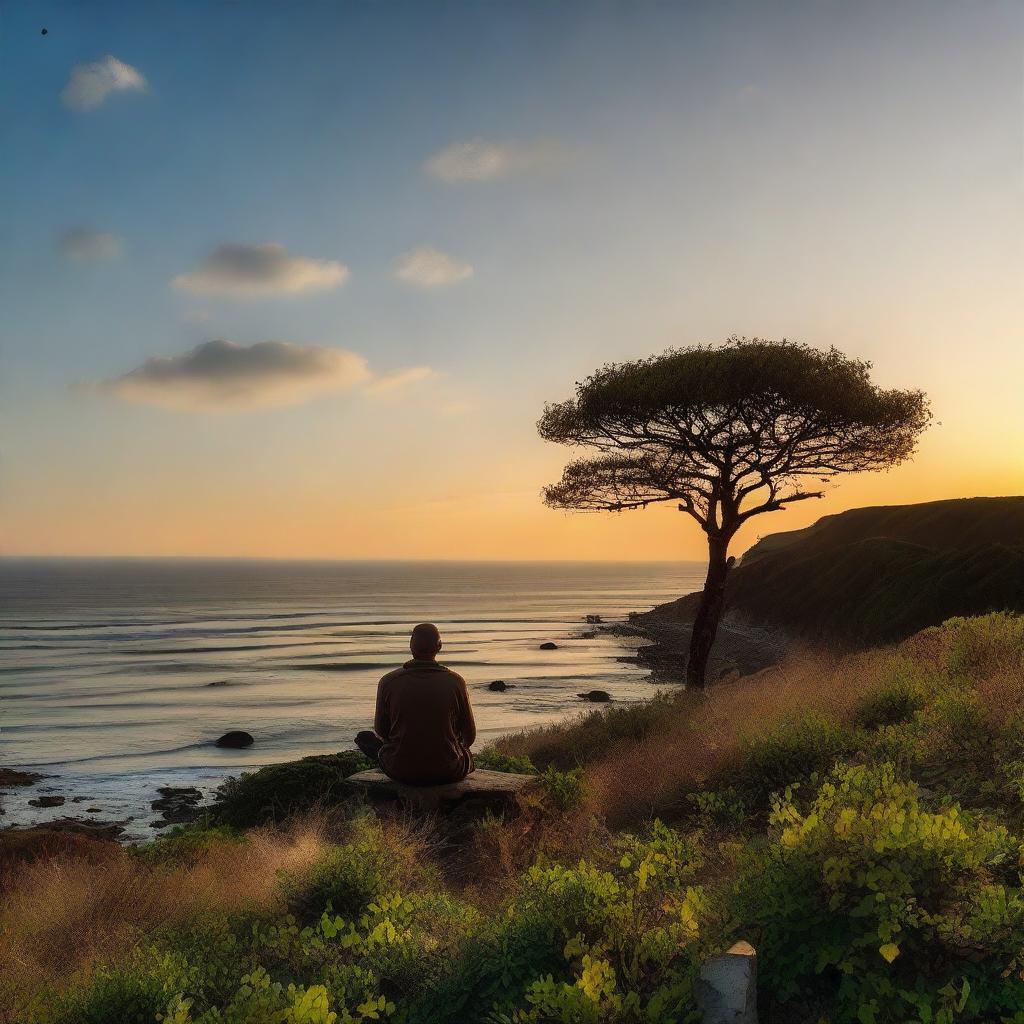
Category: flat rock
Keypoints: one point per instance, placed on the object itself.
(483, 788)
(549, 645)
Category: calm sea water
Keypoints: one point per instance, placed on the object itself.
(118, 667)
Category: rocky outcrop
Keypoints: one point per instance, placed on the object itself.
(12, 777)
(479, 792)
(500, 686)
(549, 645)
(595, 696)
(178, 804)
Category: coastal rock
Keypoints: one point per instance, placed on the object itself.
(178, 805)
(594, 619)
(549, 645)
(236, 739)
(589, 634)
(479, 792)
(47, 801)
(218, 682)
(11, 777)
(500, 686)
(596, 696)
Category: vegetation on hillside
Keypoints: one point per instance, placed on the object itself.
(877, 575)
(858, 819)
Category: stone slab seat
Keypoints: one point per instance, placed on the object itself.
(485, 789)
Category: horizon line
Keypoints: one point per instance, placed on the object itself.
(317, 559)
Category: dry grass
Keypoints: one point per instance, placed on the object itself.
(67, 914)
(695, 738)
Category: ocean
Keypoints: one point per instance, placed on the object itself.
(117, 675)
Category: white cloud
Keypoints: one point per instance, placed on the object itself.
(267, 269)
(224, 376)
(491, 159)
(90, 84)
(86, 246)
(430, 268)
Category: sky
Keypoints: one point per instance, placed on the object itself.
(296, 280)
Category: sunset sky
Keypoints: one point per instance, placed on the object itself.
(295, 280)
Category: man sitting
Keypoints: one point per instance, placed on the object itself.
(423, 727)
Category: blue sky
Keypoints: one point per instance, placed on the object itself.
(845, 174)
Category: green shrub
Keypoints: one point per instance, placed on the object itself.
(494, 760)
(871, 895)
(566, 790)
(348, 877)
(895, 701)
(114, 997)
(186, 843)
(278, 791)
(985, 643)
(794, 751)
(721, 807)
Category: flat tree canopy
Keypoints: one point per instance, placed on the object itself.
(728, 432)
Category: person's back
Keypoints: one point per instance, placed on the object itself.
(424, 721)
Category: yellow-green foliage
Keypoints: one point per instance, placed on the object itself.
(614, 938)
(868, 887)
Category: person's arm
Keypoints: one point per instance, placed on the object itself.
(381, 717)
(466, 724)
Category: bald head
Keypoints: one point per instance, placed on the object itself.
(425, 641)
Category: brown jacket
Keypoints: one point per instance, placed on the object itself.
(426, 722)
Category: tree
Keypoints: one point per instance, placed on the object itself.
(728, 432)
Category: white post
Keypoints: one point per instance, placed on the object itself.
(726, 991)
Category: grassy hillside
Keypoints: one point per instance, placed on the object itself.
(956, 523)
(858, 818)
(876, 575)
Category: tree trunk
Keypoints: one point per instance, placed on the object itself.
(709, 613)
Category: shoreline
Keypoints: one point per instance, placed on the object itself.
(740, 649)
(133, 807)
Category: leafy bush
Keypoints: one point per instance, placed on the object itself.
(566, 790)
(721, 807)
(495, 760)
(114, 997)
(349, 877)
(185, 844)
(983, 644)
(870, 894)
(279, 791)
(793, 751)
(895, 701)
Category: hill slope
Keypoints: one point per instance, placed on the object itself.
(874, 575)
